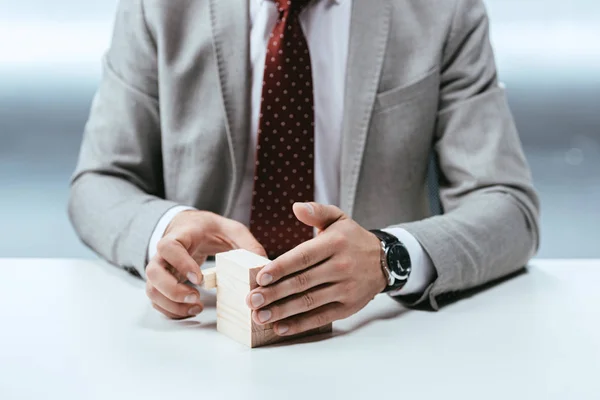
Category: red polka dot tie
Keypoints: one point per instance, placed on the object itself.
(284, 172)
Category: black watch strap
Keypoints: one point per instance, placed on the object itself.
(399, 257)
(385, 237)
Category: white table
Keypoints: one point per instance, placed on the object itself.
(84, 330)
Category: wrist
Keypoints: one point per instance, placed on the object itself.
(181, 218)
(161, 227)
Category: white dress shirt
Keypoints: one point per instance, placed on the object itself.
(326, 24)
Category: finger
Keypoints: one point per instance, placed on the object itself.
(311, 320)
(180, 310)
(173, 252)
(165, 283)
(298, 304)
(297, 283)
(167, 313)
(241, 237)
(317, 215)
(298, 259)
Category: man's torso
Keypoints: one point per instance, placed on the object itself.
(389, 109)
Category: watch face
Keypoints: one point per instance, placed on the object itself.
(398, 262)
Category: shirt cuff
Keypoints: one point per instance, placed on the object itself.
(161, 227)
(422, 273)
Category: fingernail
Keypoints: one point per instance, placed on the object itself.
(192, 277)
(195, 310)
(265, 279)
(282, 328)
(190, 299)
(309, 208)
(257, 300)
(264, 315)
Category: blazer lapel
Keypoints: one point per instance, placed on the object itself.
(230, 25)
(368, 41)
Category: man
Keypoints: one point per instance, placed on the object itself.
(224, 124)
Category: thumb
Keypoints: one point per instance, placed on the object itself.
(318, 215)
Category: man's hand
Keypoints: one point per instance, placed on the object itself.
(322, 280)
(190, 238)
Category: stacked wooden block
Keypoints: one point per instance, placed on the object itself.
(234, 277)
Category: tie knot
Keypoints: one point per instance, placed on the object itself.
(296, 5)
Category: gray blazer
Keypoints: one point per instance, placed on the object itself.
(170, 125)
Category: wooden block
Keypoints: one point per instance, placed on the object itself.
(235, 277)
(210, 278)
(241, 264)
(237, 271)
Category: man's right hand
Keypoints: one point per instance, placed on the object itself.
(189, 239)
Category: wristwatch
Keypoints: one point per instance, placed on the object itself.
(395, 261)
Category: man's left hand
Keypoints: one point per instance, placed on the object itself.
(325, 279)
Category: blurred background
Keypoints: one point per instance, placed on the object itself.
(548, 53)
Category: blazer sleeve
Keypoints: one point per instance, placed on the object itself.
(491, 224)
(117, 188)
